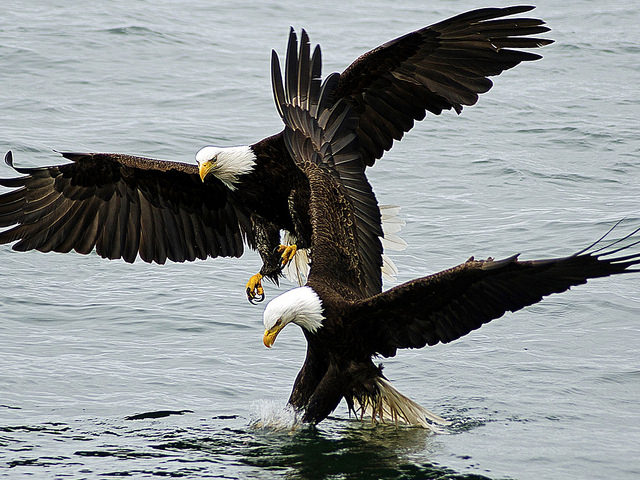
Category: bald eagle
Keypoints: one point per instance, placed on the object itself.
(345, 327)
(128, 206)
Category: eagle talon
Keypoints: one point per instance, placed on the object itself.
(255, 292)
(254, 299)
(287, 253)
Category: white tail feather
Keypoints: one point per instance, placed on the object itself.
(390, 211)
(391, 241)
(391, 224)
(389, 269)
(394, 407)
(391, 221)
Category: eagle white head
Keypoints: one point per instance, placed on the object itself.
(228, 164)
(301, 306)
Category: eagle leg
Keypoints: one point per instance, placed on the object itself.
(255, 292)
(287, 253)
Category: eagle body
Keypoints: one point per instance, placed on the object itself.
(346, 318)
(273, 184)
(277, 194)
(438, 308)
(132, 207)
(336, 366)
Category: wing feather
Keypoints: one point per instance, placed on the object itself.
(320, 136)
(446, 306)
(123, 206)
(440, 67)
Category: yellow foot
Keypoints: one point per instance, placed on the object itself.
(287, 253)
(255, 292)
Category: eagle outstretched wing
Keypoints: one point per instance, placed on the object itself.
(440, 67)
(320, 136)
(123, 206)
(448, 305)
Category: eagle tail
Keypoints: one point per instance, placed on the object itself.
(391, 406)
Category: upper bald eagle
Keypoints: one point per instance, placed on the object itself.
(126, 206)
(345, 327)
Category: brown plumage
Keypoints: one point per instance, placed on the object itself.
(346, 327)
(126, 206)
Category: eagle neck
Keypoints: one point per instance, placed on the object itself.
(309, 314)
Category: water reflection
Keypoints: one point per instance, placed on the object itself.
(227, 445)
(336, 450)
(349, 449)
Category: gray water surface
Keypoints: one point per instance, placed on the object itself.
(544, 164)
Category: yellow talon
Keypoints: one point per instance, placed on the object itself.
(255, 292)
(287, 253)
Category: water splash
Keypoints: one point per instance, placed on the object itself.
(272, 415)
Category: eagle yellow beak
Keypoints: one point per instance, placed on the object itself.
(205, 167)
(270, 335)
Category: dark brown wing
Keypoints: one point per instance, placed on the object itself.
(436, 68)
(123, 206)
(320, 136)
(452, 303)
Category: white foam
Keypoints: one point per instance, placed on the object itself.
(272, 415)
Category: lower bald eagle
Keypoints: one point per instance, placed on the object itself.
(127, 206)
(343, 325)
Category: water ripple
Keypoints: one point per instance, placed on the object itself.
(544, 164)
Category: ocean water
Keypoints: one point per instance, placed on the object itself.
(543, 165)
